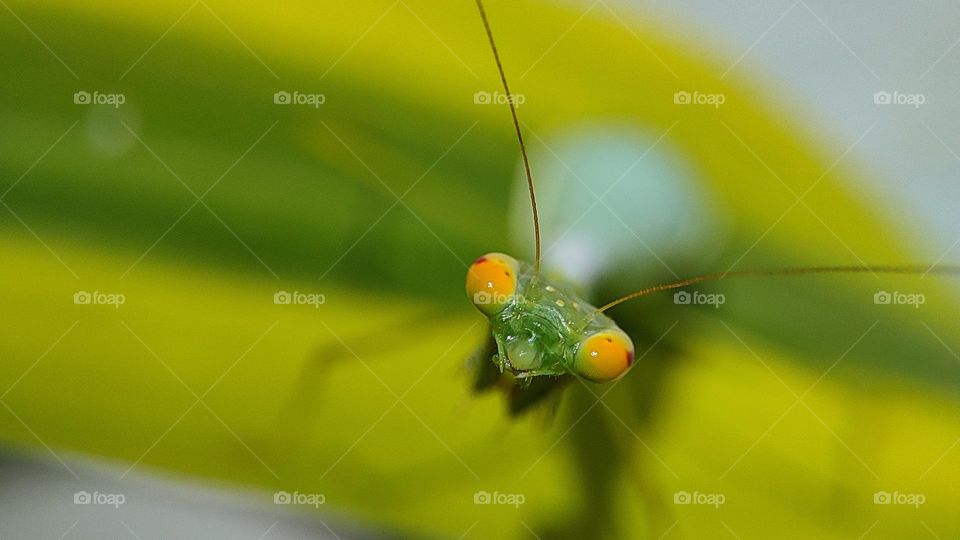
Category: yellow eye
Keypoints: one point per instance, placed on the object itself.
(604, 356)
(492, 281)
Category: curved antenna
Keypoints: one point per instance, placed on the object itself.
(516, 125)
(888, 269)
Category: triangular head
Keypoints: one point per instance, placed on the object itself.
(542, 328)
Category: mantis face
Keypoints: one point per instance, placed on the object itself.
(542, 329)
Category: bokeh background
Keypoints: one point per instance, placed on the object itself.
(206, 405)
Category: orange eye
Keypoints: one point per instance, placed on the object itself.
(492, 281)
(604, 356)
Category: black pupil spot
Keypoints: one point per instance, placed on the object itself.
(609, 340)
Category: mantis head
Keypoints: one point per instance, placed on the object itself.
(541, 329)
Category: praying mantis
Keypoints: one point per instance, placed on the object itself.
(543, 331)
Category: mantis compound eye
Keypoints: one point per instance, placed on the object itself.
(604, 356)
(492, 282)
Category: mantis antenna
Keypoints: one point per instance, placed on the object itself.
(889, 269)
(516, 125)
